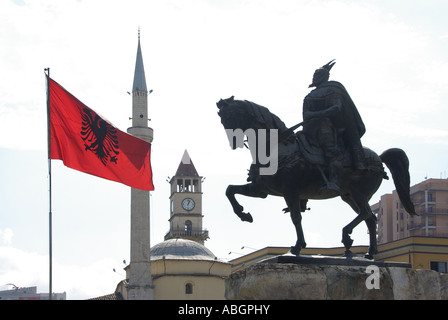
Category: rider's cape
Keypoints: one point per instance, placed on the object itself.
(350, 117)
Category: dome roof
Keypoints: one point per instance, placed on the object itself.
(181, 249)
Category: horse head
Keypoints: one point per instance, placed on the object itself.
(224, 103)
(234, 119)
(242, 117)
(233, 114)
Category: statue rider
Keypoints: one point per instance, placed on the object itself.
(332, 122)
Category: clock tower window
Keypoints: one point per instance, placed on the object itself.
(187, 185)
(180, 185)
(195, 185)
(188, 227)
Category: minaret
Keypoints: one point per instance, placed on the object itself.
(140, 282)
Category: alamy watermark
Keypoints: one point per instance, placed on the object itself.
(258, 149)
(373, 280)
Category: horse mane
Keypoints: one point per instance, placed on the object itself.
(261, 115)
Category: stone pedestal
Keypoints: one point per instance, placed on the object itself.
(330, 278)
(332, 261)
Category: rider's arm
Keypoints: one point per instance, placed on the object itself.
(335, 107)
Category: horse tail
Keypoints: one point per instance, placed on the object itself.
(398, 164)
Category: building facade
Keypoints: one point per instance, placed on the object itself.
(430, 253)
(183, 269)
(430, 199)
(29, 293)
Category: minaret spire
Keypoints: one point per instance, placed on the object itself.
(140, 100)
(139, 73)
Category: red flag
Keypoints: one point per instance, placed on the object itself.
(85, 141)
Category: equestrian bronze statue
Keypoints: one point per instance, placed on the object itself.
(324, 160)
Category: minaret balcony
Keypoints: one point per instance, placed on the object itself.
(144, 133)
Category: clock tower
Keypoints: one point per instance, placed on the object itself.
(186, 203)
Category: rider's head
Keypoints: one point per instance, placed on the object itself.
(322, 74)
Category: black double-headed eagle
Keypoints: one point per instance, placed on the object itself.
(99, 136)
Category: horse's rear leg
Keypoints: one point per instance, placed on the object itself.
(249, 190)
(296, 218)
(360, 205)
(294, 203)
(371, 226)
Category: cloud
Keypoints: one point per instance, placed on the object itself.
(22, 268)
(28, 269)
(6, 236)
(79, 281)
(264, 51)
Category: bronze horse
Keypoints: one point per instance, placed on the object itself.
(301, 173)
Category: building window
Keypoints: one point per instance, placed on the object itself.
(439, 266)
(188, 288)
(180, 185)
(195, 185)
(188, 185)
(188, 227)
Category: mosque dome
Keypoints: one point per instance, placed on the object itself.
(181, 249)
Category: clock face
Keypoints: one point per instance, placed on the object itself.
(188, 204)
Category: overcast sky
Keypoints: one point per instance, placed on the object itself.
(392, 56)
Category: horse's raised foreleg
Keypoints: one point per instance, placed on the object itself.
(249, 190)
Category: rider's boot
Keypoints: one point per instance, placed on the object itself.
(334, 172)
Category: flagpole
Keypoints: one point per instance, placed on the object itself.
(50, 231)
